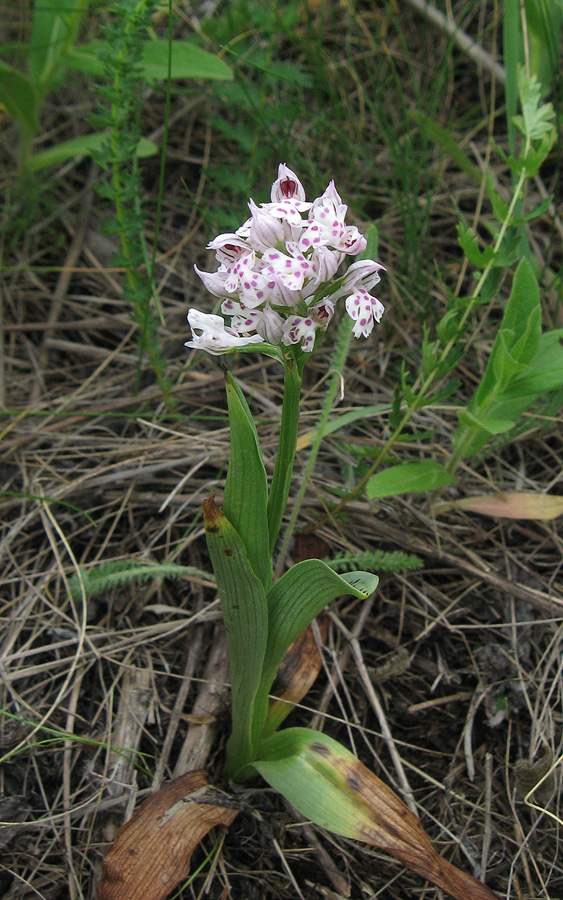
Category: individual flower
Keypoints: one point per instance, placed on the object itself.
(300, 328)
(214, 336)
(363, 273)
(262, 230)
(291, 269)
(288, 197)
(365, 310)
(267, 322)
(322, 312)
(287, 186)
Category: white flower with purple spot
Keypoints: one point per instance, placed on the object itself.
(365, 310)
(300, 328)
(291, 270)
(210, 333)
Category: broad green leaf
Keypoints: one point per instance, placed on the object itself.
(516, 344)
(415, 477)
(245, 613)
(505, 366)
(329, 786)
(246, 489)
(188, 61)
(84, 145)
(55, 24)
(18, 97)
(545, 371)
(521, 319)
(310, 770)
(492, 424)
(294, 601)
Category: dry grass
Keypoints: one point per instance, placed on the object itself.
(448, 681)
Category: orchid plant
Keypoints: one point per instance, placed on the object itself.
(280, 277)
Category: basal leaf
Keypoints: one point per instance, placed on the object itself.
(84, 145)
(293, 602)
(246, 488)
(329, 786)
(244, 608)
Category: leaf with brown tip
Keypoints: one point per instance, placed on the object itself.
(326, 783)
(152, 852)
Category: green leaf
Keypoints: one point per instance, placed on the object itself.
(415, 477)
(84, 145)
(188, 61)
(19, 98)
(545, 372)
(535, 157)
(329, 786)
(491, 424)
(55, 24)
(537, 118)
(294, 601)
(470, 246)
(516, 345)
(245, 613)
(304, 766)
(246, 489)
(500, 208)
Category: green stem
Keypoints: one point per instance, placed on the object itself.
(283, 469)
(343, 342)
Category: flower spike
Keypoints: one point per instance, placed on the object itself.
(282, 272)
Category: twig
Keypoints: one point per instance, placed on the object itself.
(475, 52)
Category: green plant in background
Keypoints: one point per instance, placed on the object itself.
(52, 53)
(126, 57)
(268, 93)
(524, 366)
